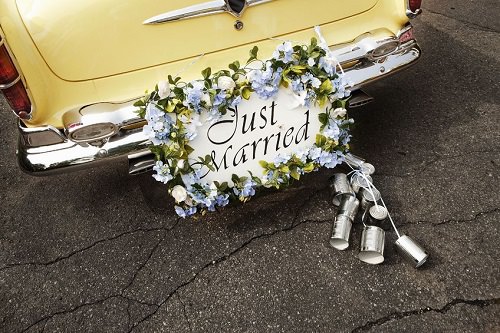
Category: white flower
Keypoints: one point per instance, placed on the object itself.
(311, 62)
(206, 99)
(179, 193)
(180, 164)
(339, 112)
(163, 89)
(192, 126)
(298, 99)
(226, 83)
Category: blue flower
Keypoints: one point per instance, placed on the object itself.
(281, 159)
(314, 153)
(284, 52)
(332, 130)
(159, 125)
(328, 63)
(194, 94)
(265, 83)
(162, 172)
(245, 191)
(222, 200)
(236, 101)
(329, 160)
(185, 212)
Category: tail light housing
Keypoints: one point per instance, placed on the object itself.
(414, 5)
(413, 8)
(11, 85)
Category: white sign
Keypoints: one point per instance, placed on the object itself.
(253, 131)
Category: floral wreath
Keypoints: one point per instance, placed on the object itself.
(173, 110)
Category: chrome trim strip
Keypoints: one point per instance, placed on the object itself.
(8, 85)
(202, 9)
(68, 155)
(40, 136)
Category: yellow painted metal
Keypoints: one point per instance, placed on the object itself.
(82, 40)
(58, 73)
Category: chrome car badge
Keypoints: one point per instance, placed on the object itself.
(236, 7)
(233, 7)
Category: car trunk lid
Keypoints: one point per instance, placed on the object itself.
(85, 40)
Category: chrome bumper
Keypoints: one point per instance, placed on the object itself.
(46, 150)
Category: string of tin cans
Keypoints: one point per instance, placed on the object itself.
(355, 192)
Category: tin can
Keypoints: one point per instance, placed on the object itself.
(412, 250)
(358, 181)
(348, 206)
(354, 160)
(341, 231)
(372, 245)
(367, 168)
(360, 163)
(377, 214)
(339, 185)
(368, 197)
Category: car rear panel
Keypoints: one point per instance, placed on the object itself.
(74, 37)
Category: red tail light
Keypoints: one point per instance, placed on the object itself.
(12, 86)
(414, 5)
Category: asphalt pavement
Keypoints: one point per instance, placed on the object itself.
(99, 251)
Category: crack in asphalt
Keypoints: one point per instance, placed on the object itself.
(49, 317)
(185, 313)
(292, 226)
(73, 309)
(88, 247)
(120, 295)
(221, 259)
(426, 164)
(151, 253)
(128, 314)
(476, 216)
(470, 24)
(447, 307)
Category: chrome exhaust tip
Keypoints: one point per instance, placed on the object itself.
(359, 98)
(140, 163)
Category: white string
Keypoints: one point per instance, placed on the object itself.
(284, 40)
(189, 65)
(324, 46)
(369, 189)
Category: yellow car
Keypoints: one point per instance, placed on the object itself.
(71, 70)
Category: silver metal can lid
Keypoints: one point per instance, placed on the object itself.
(367, 168)
(361, 181)
(368, 196)
(378, 212)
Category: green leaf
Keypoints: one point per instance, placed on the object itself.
(188, 149)
(139, 103)
(314, 42)
(309, 167)
(206, 72)
(320, 140)
(299, 69)
(171, 80)
(326, 86)
(246, 92)
(285, 169)
(323, 118)
(234, 66)
(314, 54)
(253, 52)
(294, 173)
